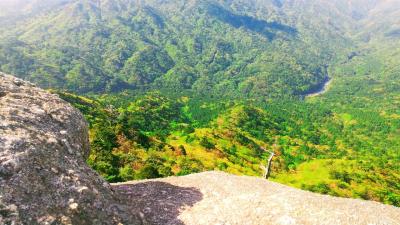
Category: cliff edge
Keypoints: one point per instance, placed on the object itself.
(220, 198)
(44, 180)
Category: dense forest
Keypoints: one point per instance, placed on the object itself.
(177, 87)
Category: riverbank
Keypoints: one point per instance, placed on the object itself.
(324, 88)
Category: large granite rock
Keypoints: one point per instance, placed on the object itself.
(43, 175)
(44, 180)
(220, 198)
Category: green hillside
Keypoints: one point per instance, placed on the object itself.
(109, 46)
(176, 87)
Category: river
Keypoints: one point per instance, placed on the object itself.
(321, 90)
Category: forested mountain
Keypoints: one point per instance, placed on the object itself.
(173, 87)
(189, 45)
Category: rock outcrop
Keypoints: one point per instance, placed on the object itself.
(43, 175)
(219, 198)
(44, 180)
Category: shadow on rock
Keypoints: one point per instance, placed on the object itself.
(158, 202)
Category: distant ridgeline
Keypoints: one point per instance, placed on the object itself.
(203, 48)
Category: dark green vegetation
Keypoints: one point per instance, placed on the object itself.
(177, 87)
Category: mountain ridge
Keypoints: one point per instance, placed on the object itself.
(95, 39)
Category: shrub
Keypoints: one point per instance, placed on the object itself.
(206, 143)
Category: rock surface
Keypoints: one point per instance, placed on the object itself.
(219, 198)
(43, 175)
(44, 180)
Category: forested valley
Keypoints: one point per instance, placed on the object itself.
(177, 87)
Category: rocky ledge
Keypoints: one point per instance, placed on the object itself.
(44, 180)
(43, 175)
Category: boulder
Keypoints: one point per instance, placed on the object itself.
(44, 178)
